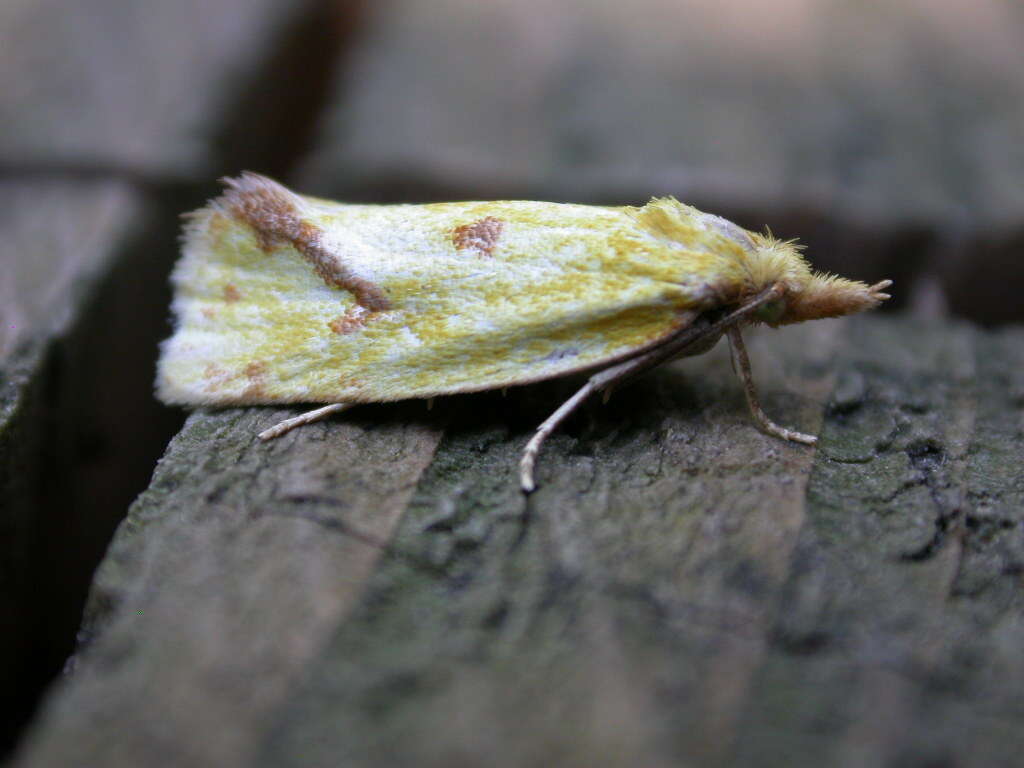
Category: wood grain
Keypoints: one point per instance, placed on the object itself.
(680, 589)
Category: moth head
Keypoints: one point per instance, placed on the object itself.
(759, 262)
(805, 294)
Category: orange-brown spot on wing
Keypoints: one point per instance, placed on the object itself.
(265, 205)
(231, 293)
(347, 382)
(271, 211)
(353, 320)
(255, 372)
(255, 369)
(216, 225)
(266, 241)
(215, 377)
(480, 236)
(333, 272)
(208, 312)
(255, 391)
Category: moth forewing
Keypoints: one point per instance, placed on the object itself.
(280, 298)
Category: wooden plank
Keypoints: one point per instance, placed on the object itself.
(60, 461)
(806, 107)
(109, 116)
(716, 603)
(139, 90)
(680, 589)
(262, 551)
(57, 239)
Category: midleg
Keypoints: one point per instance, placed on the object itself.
(599, 382)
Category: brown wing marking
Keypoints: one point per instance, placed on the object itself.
(353, 320)
(480, 236)
(270, 209)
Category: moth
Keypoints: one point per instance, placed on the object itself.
(282, 298)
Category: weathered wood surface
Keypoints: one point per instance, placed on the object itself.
(681, 589)
(107, 111)
(140, 88)
(62, 445)
(854, 110)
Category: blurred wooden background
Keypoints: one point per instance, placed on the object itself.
(374, 591)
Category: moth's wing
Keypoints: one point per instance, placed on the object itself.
(476, 296)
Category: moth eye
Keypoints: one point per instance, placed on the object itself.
(771, 311)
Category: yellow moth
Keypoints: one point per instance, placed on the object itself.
(282, 298)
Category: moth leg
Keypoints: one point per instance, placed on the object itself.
(741, 363)
(599, 382)
(545, 429)
(606, 379)
(303, 418)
